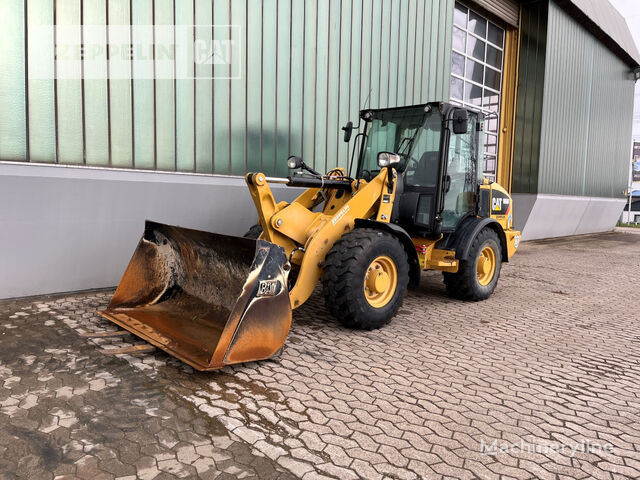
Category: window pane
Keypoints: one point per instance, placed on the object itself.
(477, 25)
(459, 39)
(475, 71)
(423, 214)
(456, 88)
(457, 64)
(491, 143)
(494, 57)
(472, 94)
(496, 35)
(491, 101)
(475, 48)
(460, 16)
(492, 79)
(489, 164)
(491, 124)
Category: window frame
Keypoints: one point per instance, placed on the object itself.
(491, 115)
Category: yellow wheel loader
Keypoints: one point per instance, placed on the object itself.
(417, 201)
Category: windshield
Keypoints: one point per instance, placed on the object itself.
(400, 131)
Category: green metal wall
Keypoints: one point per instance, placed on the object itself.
(585, 141)
(307, 68)
(574, 112)
(531, 74)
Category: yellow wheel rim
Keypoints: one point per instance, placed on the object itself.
(380, 281)
(486, 266)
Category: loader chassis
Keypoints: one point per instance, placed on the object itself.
(430, 212)
(418, 202)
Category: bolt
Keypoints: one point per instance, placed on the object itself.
(261, 178)
(279, 222)
(383, 217)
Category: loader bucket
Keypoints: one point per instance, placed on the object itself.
(210, 300)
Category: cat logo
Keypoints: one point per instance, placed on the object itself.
(498, 203)
(267, 288)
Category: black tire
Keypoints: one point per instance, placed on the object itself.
(343, 278)
(464, 285)
(254, 232)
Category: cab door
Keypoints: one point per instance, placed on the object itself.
(461, 175)
(422, 179)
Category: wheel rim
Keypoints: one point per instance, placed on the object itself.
(486, 266)
(380, 281)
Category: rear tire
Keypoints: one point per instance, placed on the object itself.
(473, 281)
(254, 232)
(365, 278)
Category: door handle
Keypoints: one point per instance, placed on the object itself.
(447, 183)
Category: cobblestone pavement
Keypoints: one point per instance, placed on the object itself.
(540, 381)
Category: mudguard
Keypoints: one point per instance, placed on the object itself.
(466, 232)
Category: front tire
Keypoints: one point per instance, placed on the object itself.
(478, 275)
(365, 278)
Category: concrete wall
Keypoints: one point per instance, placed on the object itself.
(75, 228)
(546, 216)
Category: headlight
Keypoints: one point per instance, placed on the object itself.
(387, 158)
(294, 162)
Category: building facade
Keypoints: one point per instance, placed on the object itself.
(84, 161)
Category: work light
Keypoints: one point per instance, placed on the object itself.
(294, 162)
(387, 158)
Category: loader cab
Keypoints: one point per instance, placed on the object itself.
(438, 170)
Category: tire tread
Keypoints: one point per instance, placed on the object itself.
(463, 284)
(340, 277)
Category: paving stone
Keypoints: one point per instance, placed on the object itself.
(550, 359)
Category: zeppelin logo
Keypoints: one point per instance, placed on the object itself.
(267, 288)
(338, 216)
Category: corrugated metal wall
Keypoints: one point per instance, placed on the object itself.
(587, 114)
(307, 68)
(531, 74)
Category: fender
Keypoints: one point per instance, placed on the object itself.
(467, 232)
(405, 239)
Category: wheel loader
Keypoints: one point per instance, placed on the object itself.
(417, 201)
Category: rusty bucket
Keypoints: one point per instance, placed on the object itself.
(208, 299)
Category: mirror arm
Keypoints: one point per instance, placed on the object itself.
(310, 170)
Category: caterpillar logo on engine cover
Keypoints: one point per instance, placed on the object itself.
(267, 288)
(499, 203)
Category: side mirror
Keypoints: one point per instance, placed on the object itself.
(348, 128)
(294, 162)
(460, 121)
(386, 159)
